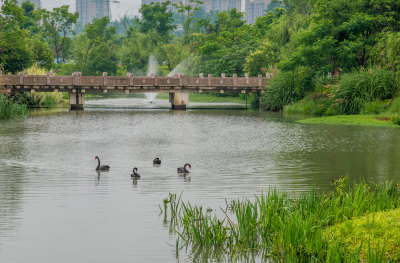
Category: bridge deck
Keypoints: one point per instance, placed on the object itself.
(132, 84)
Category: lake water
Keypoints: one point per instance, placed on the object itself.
(54, 207)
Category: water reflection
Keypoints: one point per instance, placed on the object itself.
(48, 188)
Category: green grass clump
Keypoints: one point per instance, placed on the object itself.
(10, 109)
(322, 104)
(359, 120)
(357, 88)
(373, 231)
(293, 229)
(394, 106)
(373, 108)
(286, 88)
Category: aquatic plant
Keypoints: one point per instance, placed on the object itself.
(293, 229)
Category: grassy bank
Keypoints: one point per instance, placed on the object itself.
(370, 91)
(289, 229)
(11, 109)
(359, 120)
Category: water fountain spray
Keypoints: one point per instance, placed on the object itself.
(152, 69)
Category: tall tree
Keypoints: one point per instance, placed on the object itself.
(15, 54)
(157, 17)
(58, 26)
(187, 11)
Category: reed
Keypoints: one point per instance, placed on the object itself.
(282, 227)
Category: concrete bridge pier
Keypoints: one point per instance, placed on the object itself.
(179, 100)
(76, 99)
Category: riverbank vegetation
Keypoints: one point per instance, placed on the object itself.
(11, 109)
(354, 222)
(359, 120)
(329, 57)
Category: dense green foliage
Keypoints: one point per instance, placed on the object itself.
(11, 109)
(290, 229)
(379, 230)
(353, 47)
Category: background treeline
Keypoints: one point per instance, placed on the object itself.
(329, 56)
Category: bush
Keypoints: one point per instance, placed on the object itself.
(396, 119)
(320, 104)
(373, 107)
(36, 99)
(394, 106)
(10, 109)
(287, 87)
(357, 88)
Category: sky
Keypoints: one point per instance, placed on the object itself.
(125, 7)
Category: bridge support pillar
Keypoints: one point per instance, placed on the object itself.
(76, 100)
(179, 100)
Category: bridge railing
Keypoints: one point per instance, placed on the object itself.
(77, 80)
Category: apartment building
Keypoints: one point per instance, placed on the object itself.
(254, 9)
(90, 9)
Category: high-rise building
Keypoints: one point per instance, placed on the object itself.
(255, 8)
(209, 5)
(90, 9)
(222, 5)
(37, 3)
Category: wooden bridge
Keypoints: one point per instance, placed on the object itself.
(178, 86)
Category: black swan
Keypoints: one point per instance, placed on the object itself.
(103, 167)
(157, 161)
(135, 173)
(183, 169)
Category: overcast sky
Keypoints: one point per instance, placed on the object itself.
(125, 7)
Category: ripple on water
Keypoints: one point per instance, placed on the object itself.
(51, 196)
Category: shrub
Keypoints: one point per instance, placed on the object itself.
(357, 88)
(36, 99)
(321, 104)
(287, 87)
(394, 106)
(373, 107)
(396, 119)
(10, 109)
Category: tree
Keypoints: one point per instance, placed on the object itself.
(226, 44)
(42, 54)
(155, 16)
(136, 50)
(14, 49)
(89, 47)
(102, 58)
(187, 12)
(58, 25)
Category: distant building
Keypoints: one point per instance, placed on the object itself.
(209, 5)
(90, 9)
(37, 3)
(255, 8)
(222, 5)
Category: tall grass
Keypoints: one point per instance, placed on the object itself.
(286, 88)
(357, 88)
(286, 228)
(11, 109)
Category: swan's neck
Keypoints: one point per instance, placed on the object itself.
(98, 163)
(184, 168)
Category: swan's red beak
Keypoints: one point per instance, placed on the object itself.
(190, 166)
